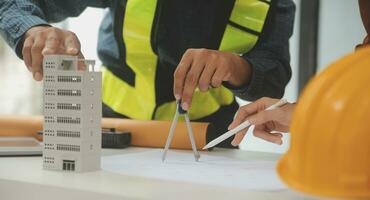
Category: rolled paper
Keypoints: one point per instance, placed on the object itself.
(11, 125)
(144, 133)
(154, 133)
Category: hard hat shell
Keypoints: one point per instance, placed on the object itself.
(330, 132)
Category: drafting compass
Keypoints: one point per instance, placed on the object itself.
(180, 111)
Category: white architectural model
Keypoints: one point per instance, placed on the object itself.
(72, 114)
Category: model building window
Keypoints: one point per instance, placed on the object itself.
(69, 165)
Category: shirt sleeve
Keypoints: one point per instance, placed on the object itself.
(17, 16)
(270, 58)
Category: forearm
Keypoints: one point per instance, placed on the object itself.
(269, 59)
(18, 16)
(16, 19)
(365, 14)
(270, 75)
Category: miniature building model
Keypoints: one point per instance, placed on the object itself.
(72, 114)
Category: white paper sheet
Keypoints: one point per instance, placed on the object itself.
(211, 170)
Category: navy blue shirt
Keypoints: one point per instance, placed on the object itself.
(269, 59)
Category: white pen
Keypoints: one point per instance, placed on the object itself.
(241, 126)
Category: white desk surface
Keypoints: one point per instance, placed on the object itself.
(23, 178)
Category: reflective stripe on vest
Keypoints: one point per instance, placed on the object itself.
(139, 102)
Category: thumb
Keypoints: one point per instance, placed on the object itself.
(81, 63)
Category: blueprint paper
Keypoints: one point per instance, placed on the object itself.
(210, 170)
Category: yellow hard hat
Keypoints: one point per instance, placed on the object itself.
(330, 132)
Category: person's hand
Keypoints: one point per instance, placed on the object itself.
(268, 123)
(43, 40)
(206, 68)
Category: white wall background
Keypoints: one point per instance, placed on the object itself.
(86, 27)
(340, 30)
(19, 94)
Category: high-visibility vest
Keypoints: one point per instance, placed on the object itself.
(244, 26)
